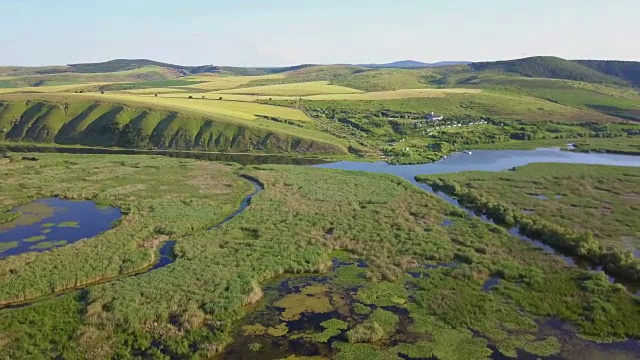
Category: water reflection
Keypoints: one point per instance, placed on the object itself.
(243, 159)
(48, 223)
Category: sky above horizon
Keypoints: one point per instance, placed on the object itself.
(284, 32)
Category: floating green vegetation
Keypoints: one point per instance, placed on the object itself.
(383, 293)
(35, 238)
(26, 215)
(335, 324)
(8, 216)
(296, 304)
(69, 224)
(4, 246)
(47, 245)
(447, 342)
(348, 351)
(350, 275)
(366, 332)
(380, 324)
(387, 320)
(509, 345)
(259, 329)
(255, 347)
(278, 330)
(46, 231)
(314, 289)
(48, 225)
(361, 309)
(332, 327)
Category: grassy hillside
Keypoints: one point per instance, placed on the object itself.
(149, 73)
(626, 70)
(120, 65)
(367, 111)
(548, 67)
(90, 121)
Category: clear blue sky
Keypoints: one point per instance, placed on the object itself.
(282, 32)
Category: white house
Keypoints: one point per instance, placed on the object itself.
(434, 117)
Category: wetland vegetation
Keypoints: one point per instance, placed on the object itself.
(557, 204)
(325, 262)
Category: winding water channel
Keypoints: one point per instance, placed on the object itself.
(165, 252)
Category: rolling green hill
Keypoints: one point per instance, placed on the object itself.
(626, 70)
(120, 65)
(148, 73)
(548, 67)
(335, 109)
(89, 122)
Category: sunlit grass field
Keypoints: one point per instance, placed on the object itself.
(219, 82)
(395, 94)
(51, 89)
(295, 89)
(244, 111)
(347, 106)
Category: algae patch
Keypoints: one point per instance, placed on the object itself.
(312, 300)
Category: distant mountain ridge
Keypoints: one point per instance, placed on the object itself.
(410, 64)
(556, 68)
(613, 72)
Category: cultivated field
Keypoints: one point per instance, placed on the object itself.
(216, 82)
(51, 89)
(294, 89)
(244, 111)
(396, 94)
(366, 110)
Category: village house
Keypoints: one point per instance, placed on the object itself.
(434, 117)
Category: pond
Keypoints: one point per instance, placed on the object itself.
(49, 223)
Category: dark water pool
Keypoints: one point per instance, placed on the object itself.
(48, 223)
